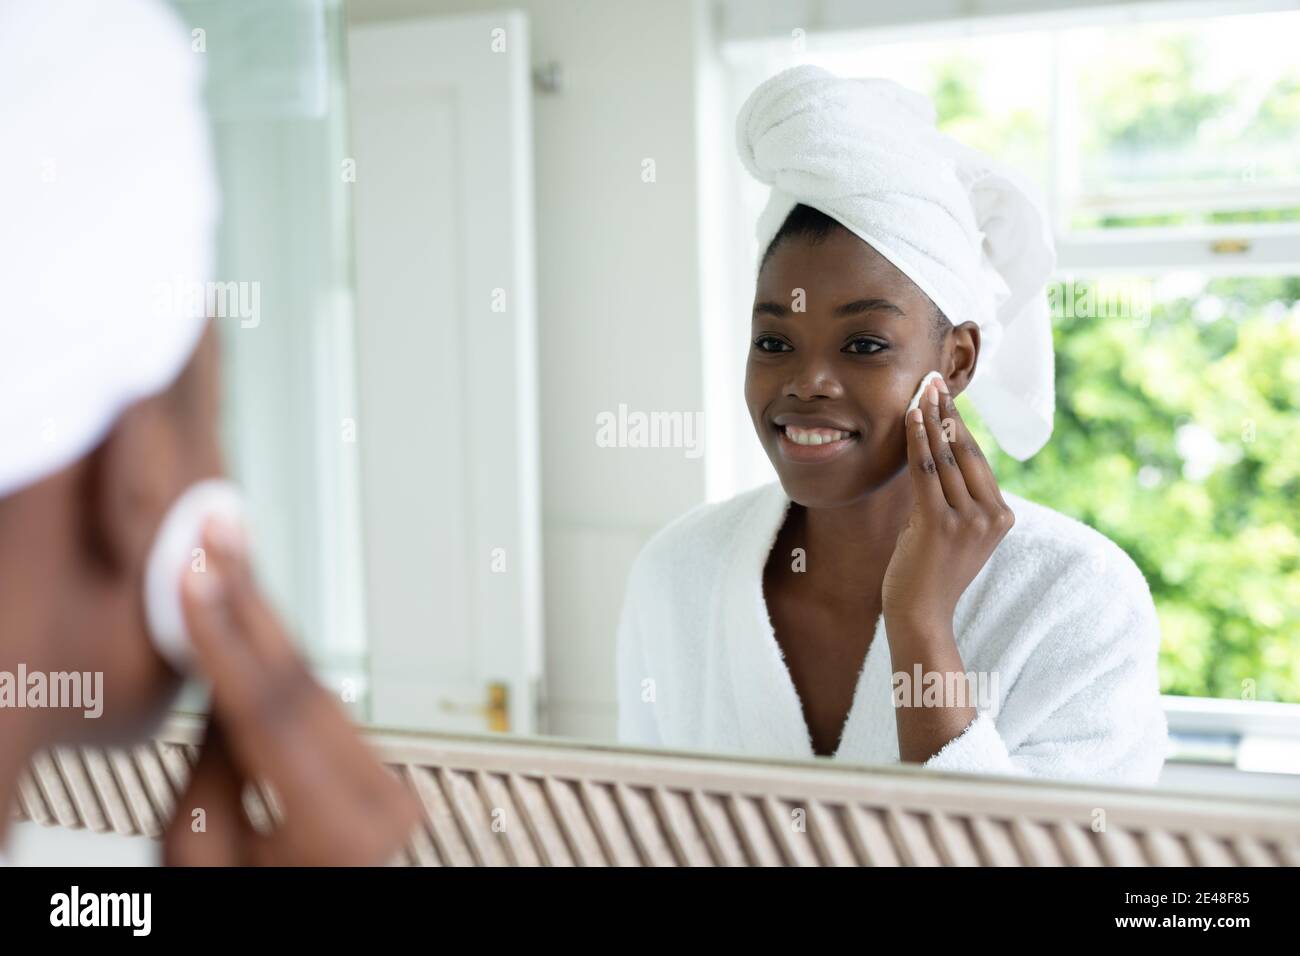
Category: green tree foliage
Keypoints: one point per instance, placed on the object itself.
(1177, 425)
(1176, 438)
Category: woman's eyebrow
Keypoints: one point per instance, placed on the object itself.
(770, 308)
(856, 307)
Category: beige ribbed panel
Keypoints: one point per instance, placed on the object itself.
(506, 802)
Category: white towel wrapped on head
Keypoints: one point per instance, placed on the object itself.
(108, 210)
(966, 230)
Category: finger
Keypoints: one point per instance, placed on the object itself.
(288, 729)
(975, 469)
(283, 728)
(256, 622)
(209, 826)
(950, 476)
(920, 462)
(223, 658)
(252, 699)
(273, 674)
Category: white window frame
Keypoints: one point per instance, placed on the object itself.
(1259, 737)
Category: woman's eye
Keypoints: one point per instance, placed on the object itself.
(770, 343)
(864, 346)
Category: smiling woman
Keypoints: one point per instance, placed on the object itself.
(778, 623)
(885, 341)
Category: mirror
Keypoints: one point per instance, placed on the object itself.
(494, 281)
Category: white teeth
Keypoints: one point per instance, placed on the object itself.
(814, 436)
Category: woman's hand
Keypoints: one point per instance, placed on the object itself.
(272, 723)
(957, 520)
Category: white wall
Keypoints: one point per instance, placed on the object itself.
(618, 281)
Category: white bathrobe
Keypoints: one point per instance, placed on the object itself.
(1059, 614)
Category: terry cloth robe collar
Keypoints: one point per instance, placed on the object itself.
(1060, 616)
(767, 702)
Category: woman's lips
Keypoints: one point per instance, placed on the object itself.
(809, 445)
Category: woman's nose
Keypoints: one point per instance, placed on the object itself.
(813, 379)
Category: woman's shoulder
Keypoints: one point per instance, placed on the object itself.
(1043, 533)
(1050, 551)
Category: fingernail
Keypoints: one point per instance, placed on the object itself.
(941, 385)
(204, 586)
(229, 536)
(915, 417)
(932, 394)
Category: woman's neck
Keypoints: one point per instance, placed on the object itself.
(848, 548)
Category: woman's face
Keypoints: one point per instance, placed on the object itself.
(827, 387)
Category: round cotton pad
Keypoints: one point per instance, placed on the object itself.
(173, 555)
(925, 383)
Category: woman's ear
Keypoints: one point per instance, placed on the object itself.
(961, 352)
(130, 480)
(157, 448)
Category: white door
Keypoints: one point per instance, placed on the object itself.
(447, 424)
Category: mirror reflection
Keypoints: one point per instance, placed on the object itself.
(868, 389)
(589, 418)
